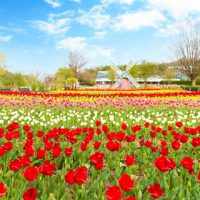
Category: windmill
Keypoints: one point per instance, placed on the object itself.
(124, 76)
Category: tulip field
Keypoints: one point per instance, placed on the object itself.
(100, 145)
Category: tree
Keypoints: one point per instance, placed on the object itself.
(88, 77)
(61, 76)
(103, 68)
(20, 79)
(49, 82)
(112, 75)
(34, 82)
(143, 70)
(186, 50)
(2, 60)
(76, 60)
(165, 71)
(122, 67)
(71, 82)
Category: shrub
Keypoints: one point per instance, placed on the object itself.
(191, 88)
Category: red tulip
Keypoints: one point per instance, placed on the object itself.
(164, 151)
(113, 146)
(30, 174)
(78, 176)
(130, 159)
(15, 165)
(97, 160)
(56, 150)
(152, 134)
(175, 145)
(183, 138)
(8, 146)
(97, 144)
(47, 168)
(41, 153)
(179, 124)
(196, 142)
(125, 182)
(30, 194)
(120, 136)
(3, 189)
(113, 193)
(26, 128)
(70, 176)
(2, 151)
(130, 198)
(68, 151)
(1, 132)
(98, 123)
(164, 164)
(187, 162)
(81, 175)
(163, 143)
(24, 161)
(124, 126)
(155, 191)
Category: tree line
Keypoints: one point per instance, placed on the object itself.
(186, 60)
(69, 76)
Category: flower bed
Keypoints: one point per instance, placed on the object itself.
(100, 147)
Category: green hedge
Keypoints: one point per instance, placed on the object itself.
(191, 88)
(182, 82)
(87, 83)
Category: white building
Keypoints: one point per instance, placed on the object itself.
(102, 78)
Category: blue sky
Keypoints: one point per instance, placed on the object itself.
(36, 35)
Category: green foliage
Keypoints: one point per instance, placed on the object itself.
(112, 74)
(12, 80)
(2, 60)
(34, 82)
(88, 77)
(163, 70)
(62, 75)
(122, 67)
(181, 82)
(191, 88)
(20, 80)
(71, 82)
(143, 70)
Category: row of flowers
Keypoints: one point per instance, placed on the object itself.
(135, 162)
(118, 93)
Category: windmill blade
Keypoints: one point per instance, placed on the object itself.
(133, 81)
(130, 65)
(117, 83)
(115, 67)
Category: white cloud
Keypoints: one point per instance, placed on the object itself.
(80, 43)
(53, 3)
(177, 9)
(94, 18)
(178, 27)
(5, 38)
(99, 35)
(168, 30)
(72, 43)
(11, 29)
(126, 2)
(76, 1)
(139, 19)
(94, 51)
(55, 24)
(35, 51)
